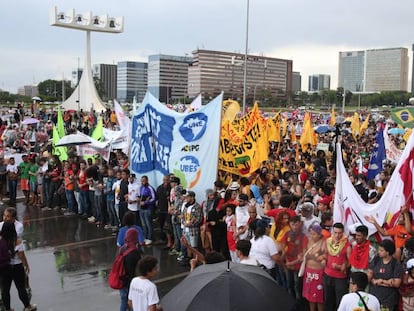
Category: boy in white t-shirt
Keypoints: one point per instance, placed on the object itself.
(143, 295)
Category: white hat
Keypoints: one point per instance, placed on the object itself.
(410, 264)
(234, 186)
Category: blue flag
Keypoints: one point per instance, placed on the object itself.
(378, 155)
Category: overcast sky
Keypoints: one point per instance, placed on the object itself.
(311, 33)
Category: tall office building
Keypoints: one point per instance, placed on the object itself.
(28, 90)
(296, 82)
(214, 71)
(107, 77)
(386, 70)
(351, 70)
(319, 82)
(374, 70)
(132, 80)
(168, 76)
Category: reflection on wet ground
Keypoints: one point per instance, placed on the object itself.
(70, 259)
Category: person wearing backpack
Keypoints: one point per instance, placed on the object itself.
(131, 257)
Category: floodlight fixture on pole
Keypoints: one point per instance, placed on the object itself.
(85, 95)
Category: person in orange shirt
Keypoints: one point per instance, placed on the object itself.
(401, 231)
(69, 188)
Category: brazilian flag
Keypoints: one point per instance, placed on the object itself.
(403, 116)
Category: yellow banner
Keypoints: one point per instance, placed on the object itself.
(244, 144)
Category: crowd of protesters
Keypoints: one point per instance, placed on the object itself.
(279, 218)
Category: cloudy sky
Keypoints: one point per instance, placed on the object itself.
(311, 33)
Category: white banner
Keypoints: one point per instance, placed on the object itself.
(349, 208)
(164, 141)
(391, 150)
(94, 148)
(123, 141)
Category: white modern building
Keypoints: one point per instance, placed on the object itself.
(374, 70)
(319, 82)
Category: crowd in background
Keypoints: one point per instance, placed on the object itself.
(279, 217)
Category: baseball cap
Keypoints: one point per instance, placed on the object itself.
(243, 197)
(410, 263)
(190, 194)
(325, 200)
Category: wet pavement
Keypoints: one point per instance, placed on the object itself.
(69, 260)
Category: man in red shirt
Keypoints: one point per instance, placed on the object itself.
(294, 244)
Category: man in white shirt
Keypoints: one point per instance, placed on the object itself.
(242, 217)
(12, 174)
(133, 196)
(358, 299)
(9, 215)
(242, 252)
(143, 295)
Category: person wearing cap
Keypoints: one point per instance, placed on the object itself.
(130, 263)
(323, 205)
(407, 286)
(174, 210)
(308, 217)
(294, 244)
(234, 186)
(358, 299)
(192, 218)
(362, 251)
(385, 274)
(242, 218)
(314, 264)
(147, 204)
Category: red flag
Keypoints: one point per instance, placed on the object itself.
(407, 178)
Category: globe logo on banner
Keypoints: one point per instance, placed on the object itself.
(188, 170)
(194, 126)
(404, 116)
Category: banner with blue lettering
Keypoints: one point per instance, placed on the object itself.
(165, 141)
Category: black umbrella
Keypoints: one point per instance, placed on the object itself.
(227, 286)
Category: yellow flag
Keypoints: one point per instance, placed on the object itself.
(407, 134)
(355, 127)
(364, 125)
(308, 134)
(292, 132)
(273, 128)
(230, 109)
(332, 121)
(284, 127)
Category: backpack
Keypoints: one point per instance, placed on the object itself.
(117, 276)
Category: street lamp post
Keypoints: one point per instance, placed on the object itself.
(245, 59)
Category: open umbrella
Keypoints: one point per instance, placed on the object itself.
(37, 98)
(324, 128)
(30, 121)
(396, 131)
(73, 140)
(227, 286)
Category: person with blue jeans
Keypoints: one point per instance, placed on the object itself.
(12, 174)
(110, 199)
(130, 262)
(147, 204)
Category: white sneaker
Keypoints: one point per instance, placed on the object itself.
(147, 242)
(91, 219)
(32, 307)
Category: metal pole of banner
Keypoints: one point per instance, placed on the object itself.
(245, 60)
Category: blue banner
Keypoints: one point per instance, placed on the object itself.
(378, 155)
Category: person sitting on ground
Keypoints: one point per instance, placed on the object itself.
(358, 298)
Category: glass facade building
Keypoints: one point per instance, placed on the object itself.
(132, 80)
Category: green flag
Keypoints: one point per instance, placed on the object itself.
(98, 131)
(59, 151)
(60, 124)
(403, 116)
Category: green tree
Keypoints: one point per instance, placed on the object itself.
(51, 90)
